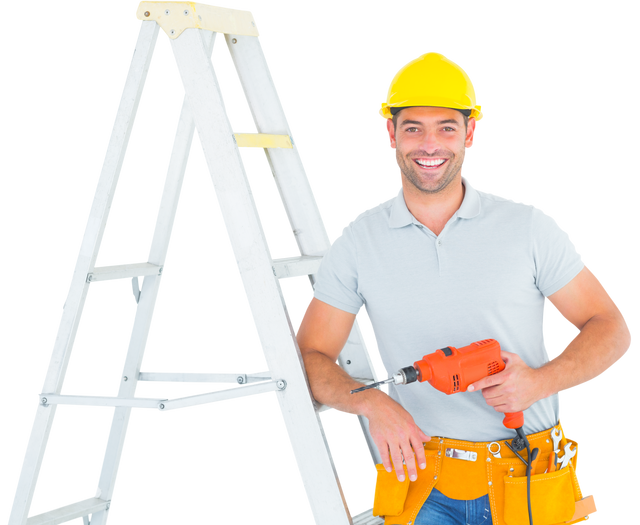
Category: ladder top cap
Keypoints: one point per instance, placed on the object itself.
(175, 17)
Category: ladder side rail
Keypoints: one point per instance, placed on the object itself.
(286, 165)
(354, 359)
(146, 304)
(294, 188)
(86, 260)
(261, 286)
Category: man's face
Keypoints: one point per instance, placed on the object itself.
(430, 144)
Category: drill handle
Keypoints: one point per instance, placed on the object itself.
(513, 420)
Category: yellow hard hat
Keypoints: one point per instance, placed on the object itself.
(431, 80)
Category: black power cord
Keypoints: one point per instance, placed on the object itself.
(518, 443)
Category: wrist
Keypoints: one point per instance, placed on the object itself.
(543, 380)
(370, 402)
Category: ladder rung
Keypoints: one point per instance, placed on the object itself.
(262, 140)
(296, 266)
(163, 404)
(123, 271)
(204, 378)
(364, 380)
(69, 512)
(366, 517)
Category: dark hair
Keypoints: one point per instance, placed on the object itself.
(466, 113)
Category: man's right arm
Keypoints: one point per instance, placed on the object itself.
(322, 335)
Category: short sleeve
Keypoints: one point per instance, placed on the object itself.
(337, 279)
(556, 259)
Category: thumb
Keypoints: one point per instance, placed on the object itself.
(508, 357)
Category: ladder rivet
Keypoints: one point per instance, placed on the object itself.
(167, 12)
(281, 384)
(172, 32)
(240, 379)
(44, 400)
(234, 41)
(108, 506)
(125, 378)
(161, 407)
(147, 13)
(348, 361)
(185, 12)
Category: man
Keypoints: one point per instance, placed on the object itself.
(445, 265)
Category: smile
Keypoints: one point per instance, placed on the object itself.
(430, 163)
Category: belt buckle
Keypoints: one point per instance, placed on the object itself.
(465, 455)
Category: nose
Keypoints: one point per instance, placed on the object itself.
(430, 142)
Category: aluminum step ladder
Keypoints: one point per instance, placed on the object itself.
(192, 29)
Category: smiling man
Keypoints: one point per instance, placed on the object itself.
(443, 264)
(430, 144)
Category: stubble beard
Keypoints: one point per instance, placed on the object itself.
(411, 172)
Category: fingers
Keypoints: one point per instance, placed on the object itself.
(419, 452)
(423, 437)
(410, 455)
(396, 456)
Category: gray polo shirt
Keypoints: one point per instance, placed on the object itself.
(485, 276)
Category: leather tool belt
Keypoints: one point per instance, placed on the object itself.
(467, 470)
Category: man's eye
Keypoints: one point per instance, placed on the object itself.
(411, 130)
(448, 129)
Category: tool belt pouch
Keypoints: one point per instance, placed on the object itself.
(390, 493)
(395, 500)
(553, 495)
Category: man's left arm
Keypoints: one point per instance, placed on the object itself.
(603, 339)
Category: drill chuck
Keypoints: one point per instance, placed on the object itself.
(405, 375)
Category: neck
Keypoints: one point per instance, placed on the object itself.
(434, 209)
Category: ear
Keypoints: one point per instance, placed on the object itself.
(471, 128)
(392, 132)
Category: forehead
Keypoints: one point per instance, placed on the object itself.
(429, 114)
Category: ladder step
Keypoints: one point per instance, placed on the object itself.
(204, 378)
(367, 518)
(123, 271)
(262, 140)
(285, 267)
(163, 404)
(296, 266)
(70, 512)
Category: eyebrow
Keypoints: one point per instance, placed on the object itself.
(440, 122)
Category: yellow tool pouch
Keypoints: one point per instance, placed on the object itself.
(555, 497)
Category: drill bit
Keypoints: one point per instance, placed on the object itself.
(373, 385)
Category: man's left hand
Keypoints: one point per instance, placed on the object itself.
(514, 389)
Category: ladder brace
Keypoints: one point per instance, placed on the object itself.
(70, 512)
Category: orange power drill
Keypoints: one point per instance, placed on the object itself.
(452, 370)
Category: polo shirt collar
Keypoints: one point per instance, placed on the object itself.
(401, 216)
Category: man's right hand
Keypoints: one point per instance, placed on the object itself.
(396, 435)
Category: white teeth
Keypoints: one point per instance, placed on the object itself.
(434, 162)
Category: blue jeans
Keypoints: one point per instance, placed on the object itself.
(440, 510)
